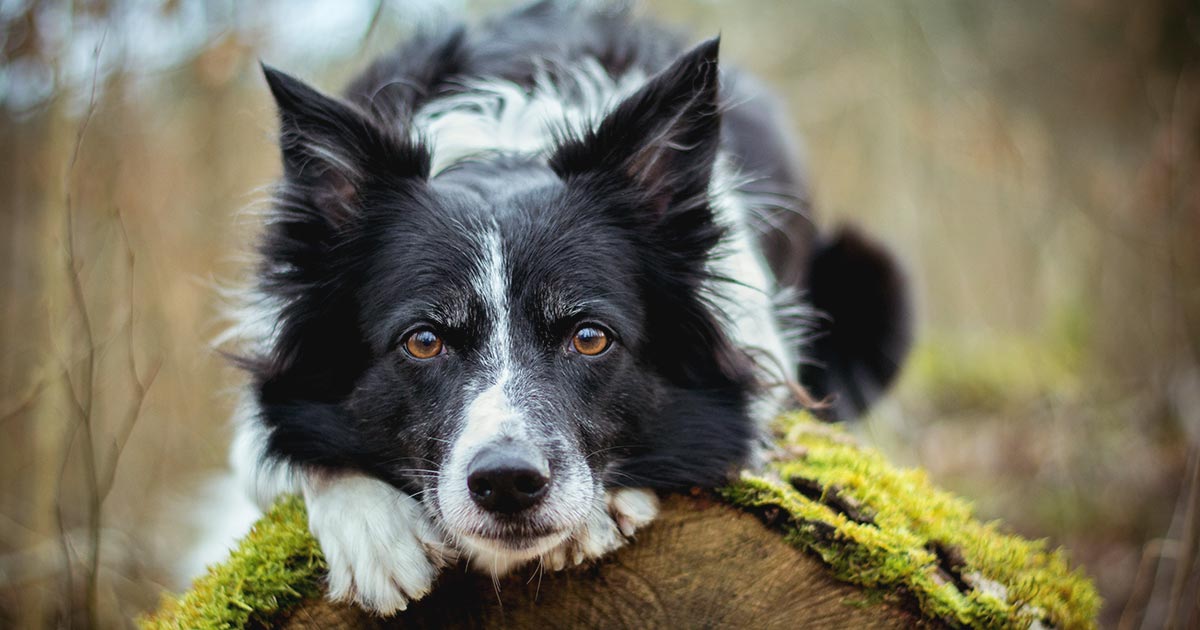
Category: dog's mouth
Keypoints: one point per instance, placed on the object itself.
(523, 538)
(523, 535)
(531, 542)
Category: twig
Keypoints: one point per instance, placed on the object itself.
(82, 403)
(141, 388)
(372, 25)
(1179, 603)
(25, 403)
(1142, 589)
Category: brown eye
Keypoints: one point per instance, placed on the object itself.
(423, 344)
(590, 341)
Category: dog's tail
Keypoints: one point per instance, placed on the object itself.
(864, 330)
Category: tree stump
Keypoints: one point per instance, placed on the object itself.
(701, 564)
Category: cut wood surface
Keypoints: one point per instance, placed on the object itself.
(701, 564)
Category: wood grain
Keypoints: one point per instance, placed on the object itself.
(700, 565)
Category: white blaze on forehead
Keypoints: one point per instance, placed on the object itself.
(496, 289)
(491, 414)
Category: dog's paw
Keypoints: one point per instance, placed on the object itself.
(609, 526)
(632, 508)
(382, 549)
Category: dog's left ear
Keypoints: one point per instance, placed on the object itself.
(663, 138)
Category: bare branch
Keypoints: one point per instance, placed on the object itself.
(372, 25)
(141, 388)
(26, 402)
(82, 400)
(1181, 601)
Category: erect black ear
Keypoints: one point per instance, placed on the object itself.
(664, 137)
(331, 150)
(866, 329)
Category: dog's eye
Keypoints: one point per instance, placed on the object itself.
(590, 340)
(423, 344)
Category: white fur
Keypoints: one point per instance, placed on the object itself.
(496, 115)
(632, 508)
(382, 548)
(486, 557)
(262, 477)
(493, 415)
(610, 524)
(570, 504)
(240, 496)
(611, 521)
(383, 551)
(749, 303)
(490, 417)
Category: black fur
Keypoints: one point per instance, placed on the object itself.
(866, 333)
(616, 228)
(360, 252)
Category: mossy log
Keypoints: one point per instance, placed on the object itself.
(828, 536)
(701, 564)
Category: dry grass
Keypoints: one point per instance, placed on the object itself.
(1034, 164)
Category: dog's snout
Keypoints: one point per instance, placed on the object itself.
(507, 478)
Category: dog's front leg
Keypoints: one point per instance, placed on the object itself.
(382, 549)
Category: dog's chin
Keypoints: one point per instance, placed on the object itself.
(500, 554)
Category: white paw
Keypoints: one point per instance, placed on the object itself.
(608, 527)
(632, 508)
(382, 549)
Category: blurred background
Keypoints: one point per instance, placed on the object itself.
(1033, 163)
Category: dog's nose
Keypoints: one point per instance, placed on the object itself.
(507, 478)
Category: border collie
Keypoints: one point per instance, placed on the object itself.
(522, 277)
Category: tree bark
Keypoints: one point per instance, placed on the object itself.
(701, 564)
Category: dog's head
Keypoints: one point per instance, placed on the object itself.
(509, 336)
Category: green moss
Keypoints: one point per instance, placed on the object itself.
(890, 531)
(276, 565)
(887, 530)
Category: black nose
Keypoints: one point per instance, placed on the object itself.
(507, 478)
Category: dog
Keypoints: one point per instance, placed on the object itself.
(524, 276)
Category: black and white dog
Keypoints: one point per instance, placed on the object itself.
(523, 277)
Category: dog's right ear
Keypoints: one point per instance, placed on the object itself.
(332, 151)
(663, 138)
